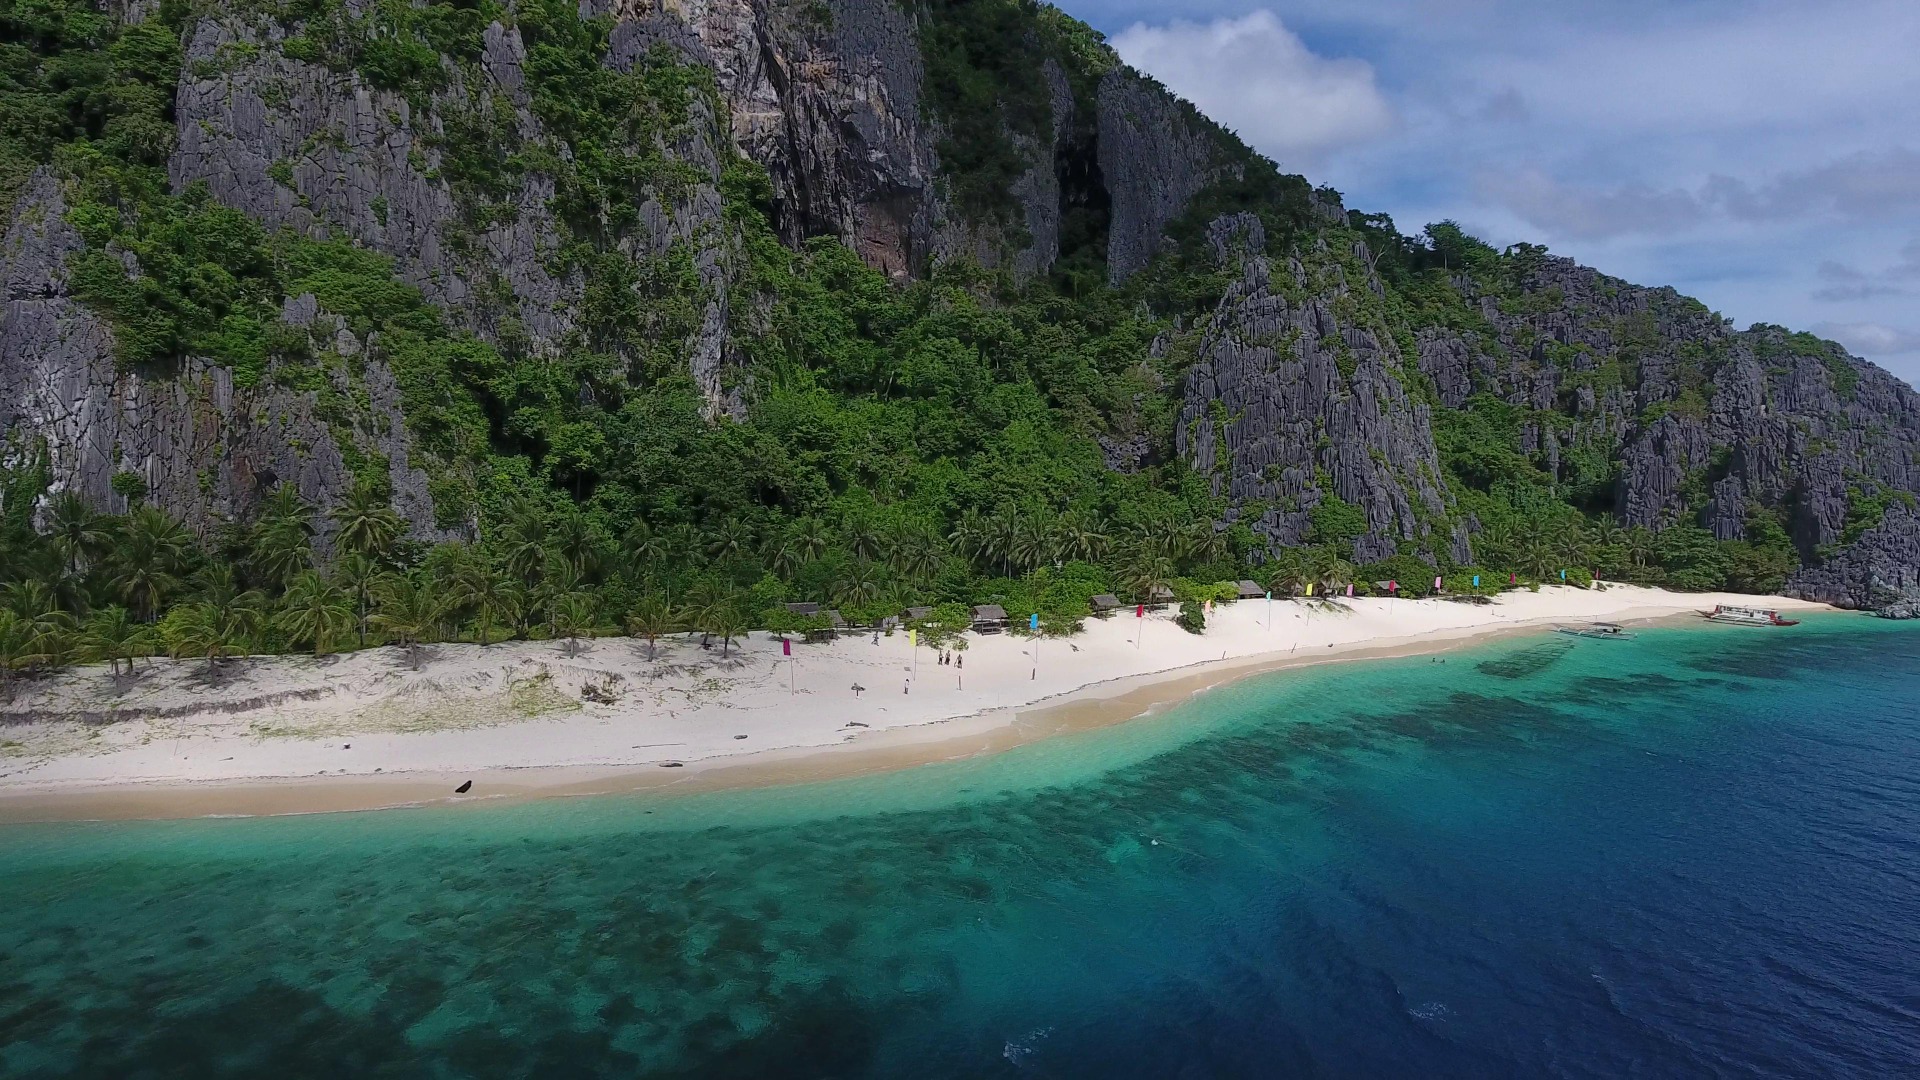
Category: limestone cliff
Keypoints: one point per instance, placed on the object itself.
(565, 183)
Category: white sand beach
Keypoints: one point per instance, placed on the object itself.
(287, 734)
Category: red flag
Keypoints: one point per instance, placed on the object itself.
(1393, 586)
(786, 647)
(1140, 612)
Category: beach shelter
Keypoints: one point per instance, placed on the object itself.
(989, 618)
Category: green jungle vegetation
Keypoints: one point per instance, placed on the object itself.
(929, 443)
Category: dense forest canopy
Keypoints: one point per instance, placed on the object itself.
(880, 443)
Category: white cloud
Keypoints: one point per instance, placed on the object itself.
(1256, 76)
(1567, 210)
(1871, 339)
(1866, 185)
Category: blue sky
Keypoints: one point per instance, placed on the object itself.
(1763, 156)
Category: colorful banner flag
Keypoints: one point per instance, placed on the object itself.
(1393, 586)
(1563, 575)
(1476, 581)
(1436, 584)
(1513, 578)
(1309, 588)
(1140, 612)
(1269, 594)
(1349, 589)
(786, 647)
(1033, 621)
(913, 637)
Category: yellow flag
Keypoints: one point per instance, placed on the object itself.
(913, 637)
(1309, 588)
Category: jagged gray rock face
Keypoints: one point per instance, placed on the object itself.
(205, 448)
(1884, 564)
(1155, 161)
(1270, 414)
(1745, 416)
(359, 159)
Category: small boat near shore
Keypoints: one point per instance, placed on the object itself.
(1595, 630)
(1747, 616)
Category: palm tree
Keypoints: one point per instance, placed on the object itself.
(203, 630)
(1570, 543)
(1031, 544)
(1082, 537)
(730, 622)
(316, 610)
(576, 615)
(490, 596)
(860, 585)
(367, 525)
(281, 550)
(15, 634)
(195, 630)
(732, 539)
(1641, 547)
(77, 533)
(683, 543)
(146, 561)
(1334, 572)
(407, 613)
(644, 544)
(1608, 533)
(810, 539)
(113, 635)
(282, 542)
(578, 542)
(782, 556)
(917, 555)
(1002, 537)
(863, 539)
(215, 584)
(1201, 542)
(50, 640)
(1147, 574)
(969, 536)
(652, 619)
(28, 598)
(524, 543)
(363, 579)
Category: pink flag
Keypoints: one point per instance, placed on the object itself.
(1436, 583)
(1349, 588)
(786, 647)
(1393, 586)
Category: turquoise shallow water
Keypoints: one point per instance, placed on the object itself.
(1696, 853)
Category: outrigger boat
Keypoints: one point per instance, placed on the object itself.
(1748, 616)
(1595, 630)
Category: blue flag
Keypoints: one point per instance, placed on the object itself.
(1476, 581)
(1033, 621)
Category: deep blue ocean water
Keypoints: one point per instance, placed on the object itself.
(1692, 854)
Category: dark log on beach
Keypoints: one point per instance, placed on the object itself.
(463, 788)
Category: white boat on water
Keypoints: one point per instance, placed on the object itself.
(1748, 616)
